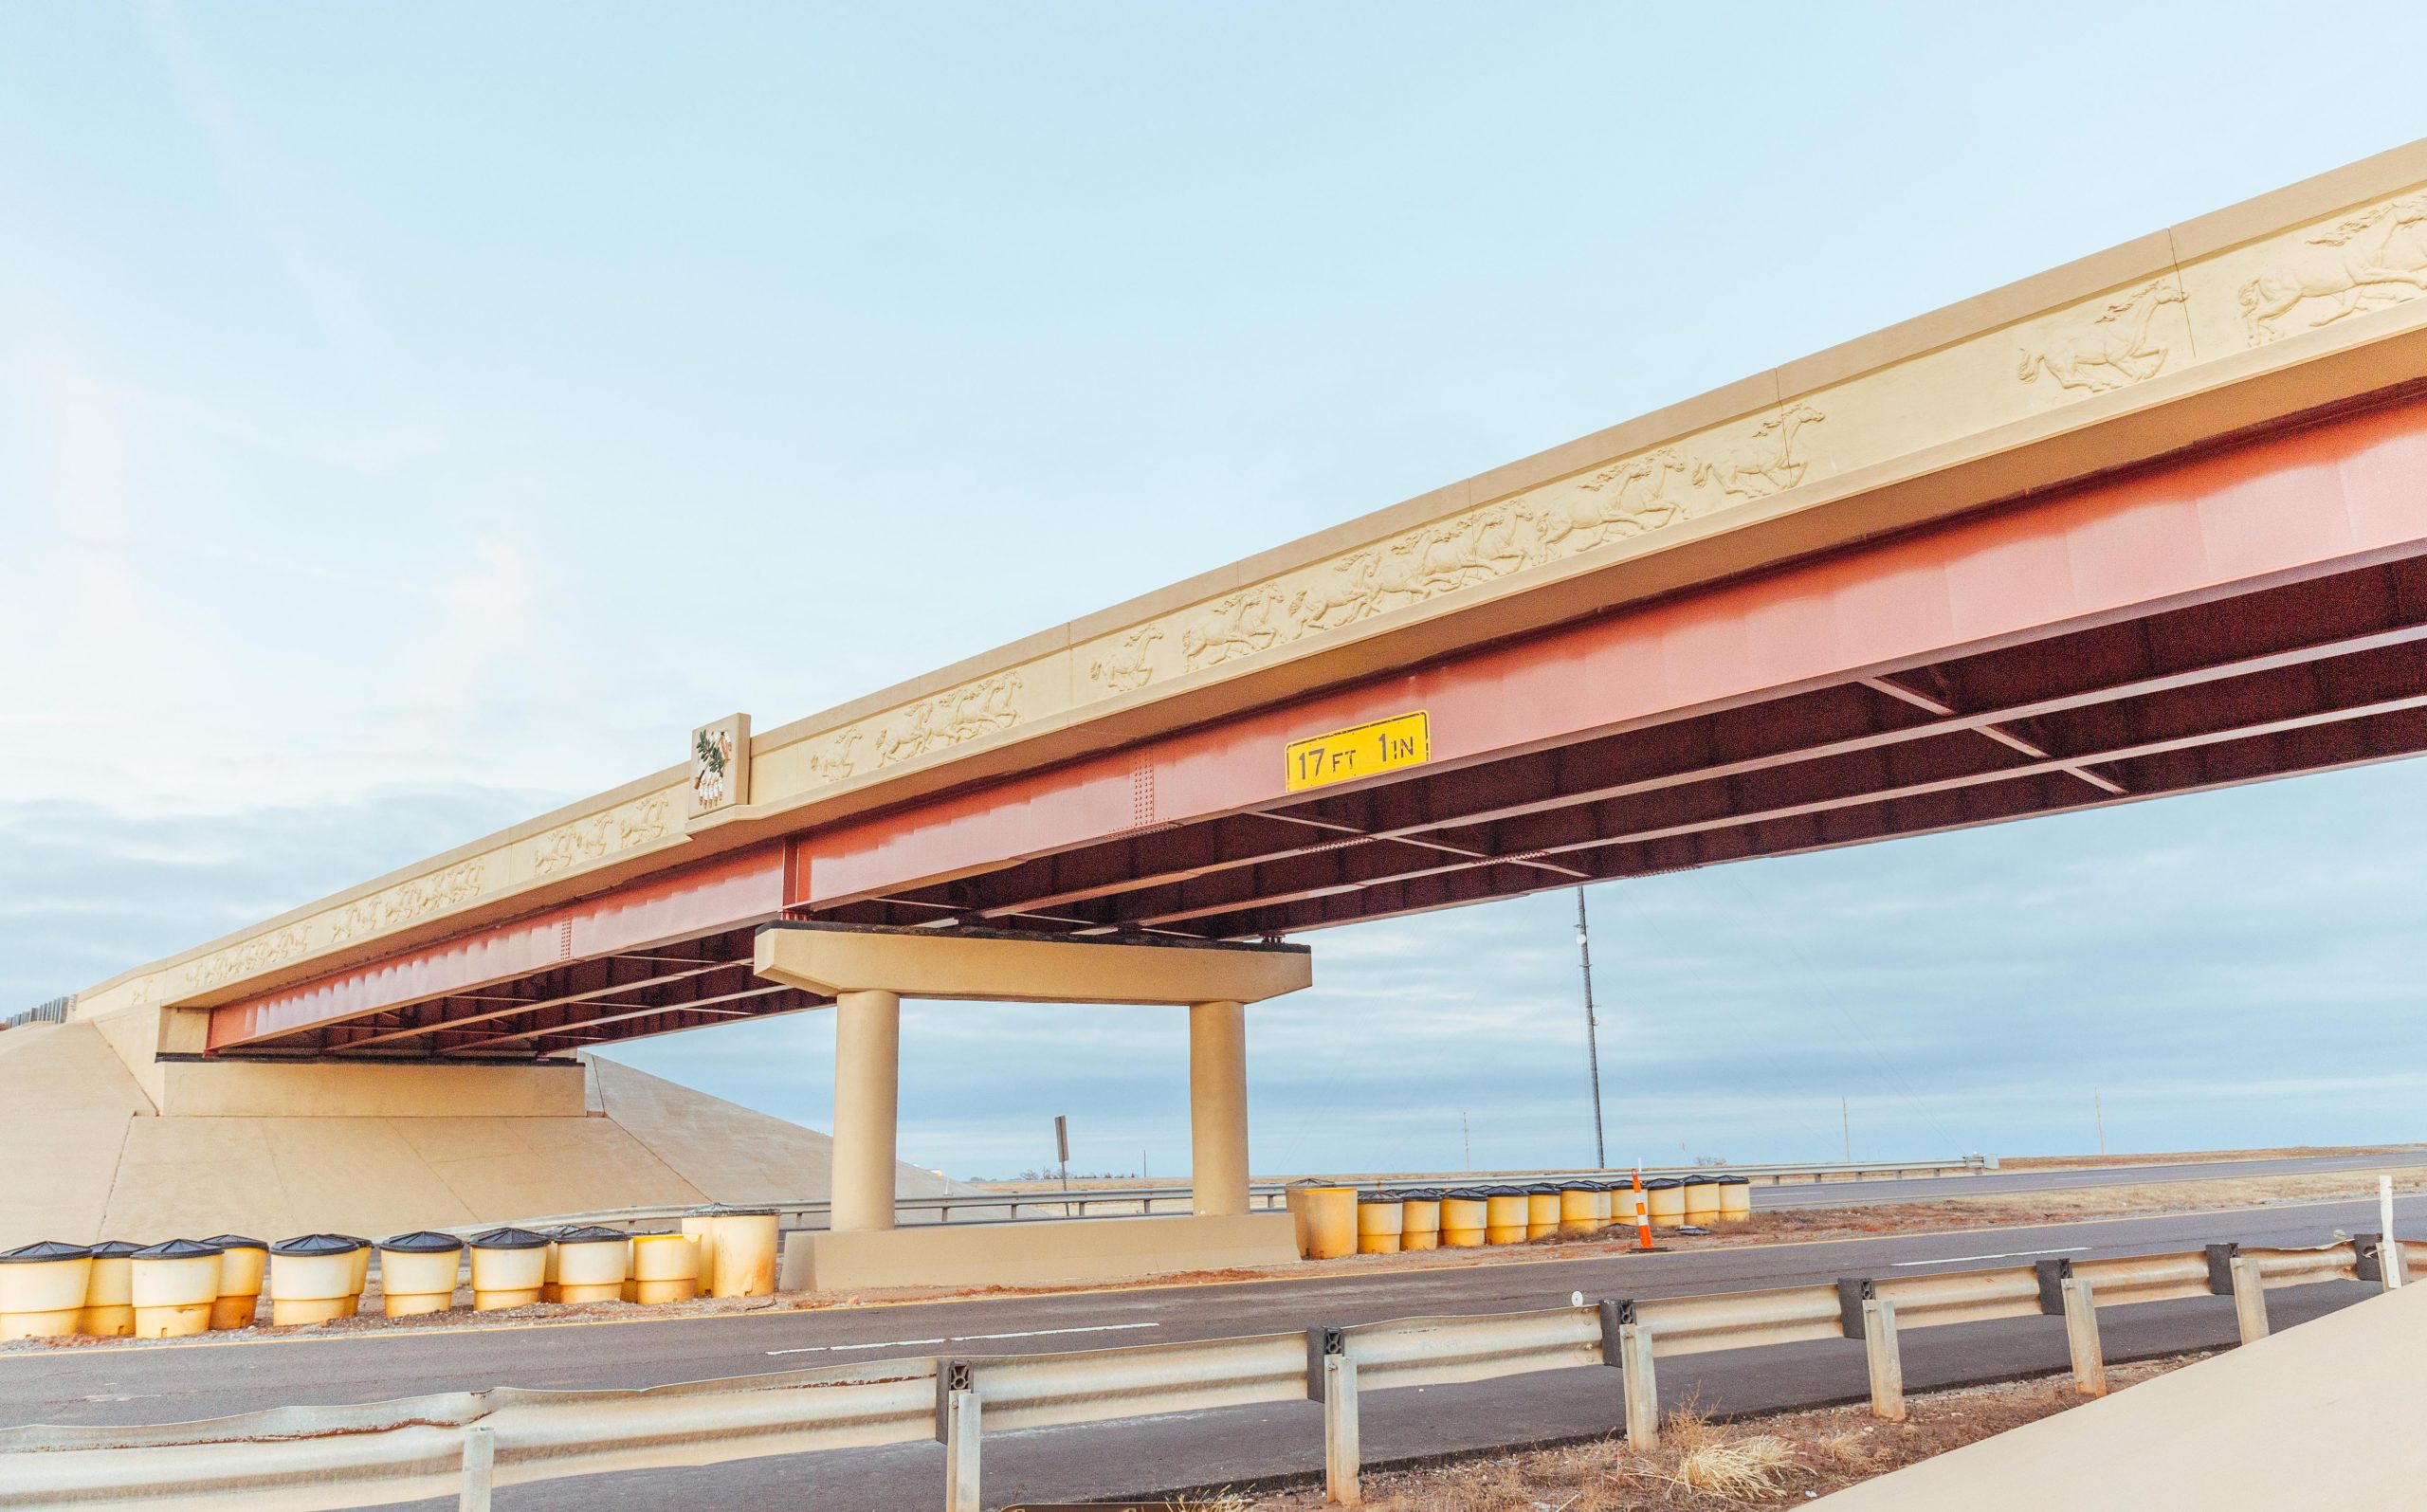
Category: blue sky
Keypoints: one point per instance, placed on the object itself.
(412, 417)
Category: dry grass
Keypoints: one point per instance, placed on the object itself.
(1703, 1466)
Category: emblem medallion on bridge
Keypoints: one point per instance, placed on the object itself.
(721, 766)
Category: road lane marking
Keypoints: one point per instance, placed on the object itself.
(960, 1339)
(2010, 1254)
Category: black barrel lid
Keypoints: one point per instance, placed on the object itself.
(509, 1239)
(719, 1210)
(1378, 1196)
(423, 1242)
(1421, 1194)
(1583, 1185)
(1543, 1188)
(177, 1249)
(234, 1241)
(1699, 1181)
(114, 1249)
(1662, 1184)
(587, 1233)
(1463, 1194)
(1501, 1191)
(317, 1244)
(1733, 1181)
(42, 1250)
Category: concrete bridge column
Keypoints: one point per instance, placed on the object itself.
(1218, 1106)
(868, 1089)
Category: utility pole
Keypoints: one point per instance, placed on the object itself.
(2098, 1111)
(1592, 1029)
(1846, 1120)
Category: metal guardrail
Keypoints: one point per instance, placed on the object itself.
(54, 1012)
(1004, 1206)
(310, 1459)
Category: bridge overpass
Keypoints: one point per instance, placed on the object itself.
(2149, 523)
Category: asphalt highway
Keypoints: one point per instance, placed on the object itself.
(120, 1384)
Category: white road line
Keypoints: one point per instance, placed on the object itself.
(960, 1339)
(2011, 1254)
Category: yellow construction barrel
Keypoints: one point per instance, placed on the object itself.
(666, 1267)
(738, 1256)
(311, 1278)
(1420, 1219)
(591, 1263)
(1327, 1219)
(509, 1266)
(244, 1269)
(109, 1295)
(361, 1267)
(1380, 1223)
(417, 1272)
(1542, 1210)
(1735, 1199)
(1626, 1205)
(1702, 1200)
(700, 1227)
(1663, 1197)
(1504, 1211)
(174, 1286)
(42, 1289)
(1464, 1218)
(1583, 1207)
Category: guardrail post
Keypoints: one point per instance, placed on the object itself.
(2367, 1258)
(2249, 1298)
(1341, 1456)
(1626, 1347)
(2081, 1338)
(480, 1468)
(2389, 1245)
(1331, 1379)
(1887, 1362)
(957, 1411)
(1637, 1384)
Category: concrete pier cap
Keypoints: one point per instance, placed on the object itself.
(1004, 967)
(868, 971)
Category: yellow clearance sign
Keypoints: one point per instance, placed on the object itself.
(1344, 755)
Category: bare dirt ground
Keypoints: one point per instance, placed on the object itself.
(1789, 1226)
(2296, 1151)
(1703, 1466)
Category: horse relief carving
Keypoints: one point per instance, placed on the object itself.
(1625, 498)
(2115, 350)
(2375, 258)
(587, 840)
(1762, 464)
(839, 756)
(418, 899)
(252, 957)
(1129, 664)
(948, 718)
(1235, 625)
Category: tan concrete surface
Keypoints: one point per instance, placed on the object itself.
(88, 1158)
(978, 968)
(1029, 1254)
(727, 1151)
(2322, 1415)
(229, 1090)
